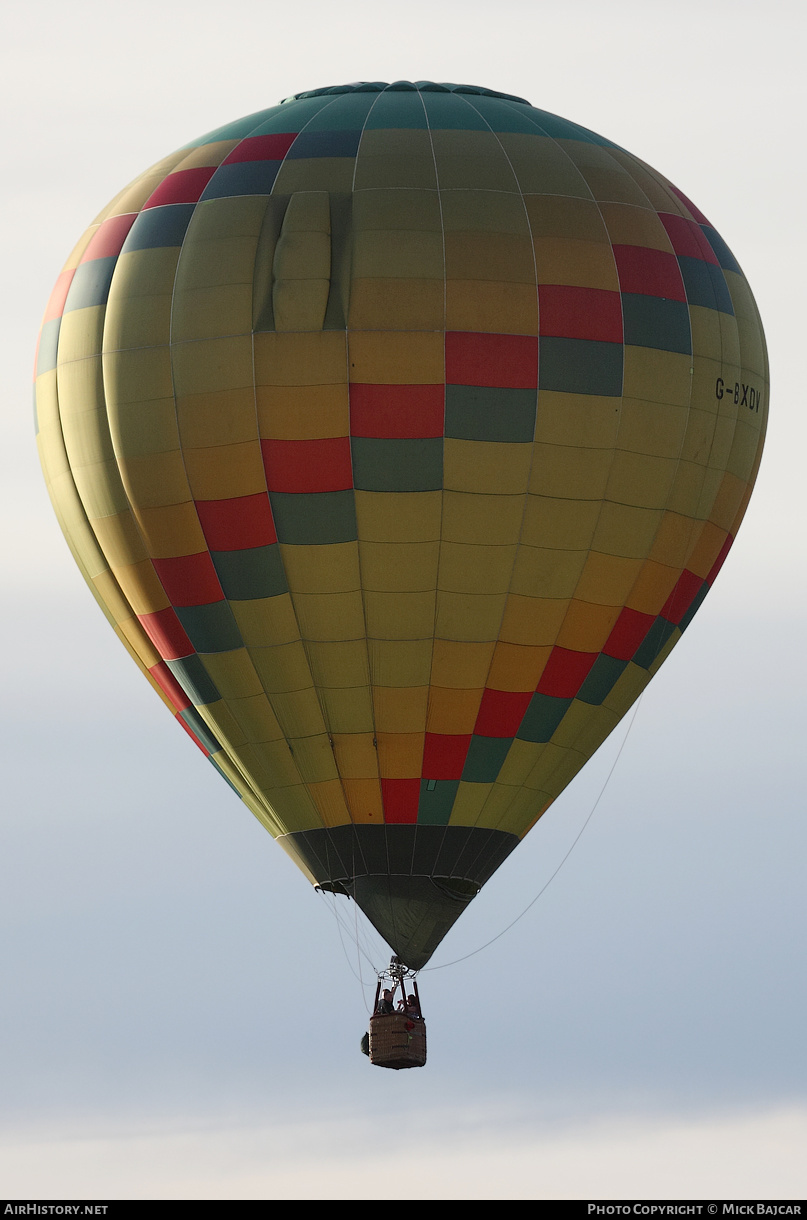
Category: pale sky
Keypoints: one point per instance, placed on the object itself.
(179, 1016)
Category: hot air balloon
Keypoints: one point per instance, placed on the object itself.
(400, 430)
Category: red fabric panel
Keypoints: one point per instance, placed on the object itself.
(320, 465)
(682, 596)
(262, 148)
(185, 186)
(580, 313)
(193, 736)
(696, 212)
(503, 361)
(444, 755)
(58, 297)
(386, 411)
(400, 797)
(688, 238)
(109, 237)
(628, 632)
(167, 682)
(501, 713)
(237, 524)
(566, 670)
(189, 580)
(653, 273)
(166, 634)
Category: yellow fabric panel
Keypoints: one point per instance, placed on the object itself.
(207, 154)
(587, 420)
(138, 312)
(559, 524)
(157, 480)
(554, 215)
(554, 174)
(329, 799)
(522, 758)
(80, 332)
(472, 211)
(496, 806)
(212, 364)
(471, 159)
(329, 616)
(364, 800)
(703, 383)
(727, 501)
(80, 388)
(143, 428)
(100, 489)
(256, 718)
(490, 306)
(271, 765)
(399, 517)
(491, 520)
(138, 581)
(400, 755)
(657, 376)
(453, 710)
(744, 449)
(584, 727)
(654, 584)
(347, 709)
(652, 429)
(551, 573)
(76, 254)
(283, 667)
(108, 592)
(461, 664)
(710, 540)
(714, 334)
(333, 174)
(468, 804)
(399, 566)
(142, 375)
(397, 358)
(133, 196)
(469, 616)
(586, 626)
(627, 689)
(525, 810)
(302, 264)
(489, 256)
(298, 712)
(673, 540)
(397, 254)
(402, 208)
(171, 530)
(635, 226)
(517, 667)
(399, 616)
(486, 466)
(533, 621)
(608, 579)
(710, 489)
(400, 709)
(340, 664)
(697, 442)
(466, 568)
(300, 359)
(356, 755)
(332, 568)
(581, 264)
(119, 539)
(224, 471)
(76, 528)
(266, 621)
(610, 185)
(687, 490)
(221, 257)
(383, 303)
(303, 412)
(203, 313)
(234, 674)
(314, 758)
(722, 441)
(225, 418)
(400, 662)
(395, 158)
(570, 472)
(626, 530)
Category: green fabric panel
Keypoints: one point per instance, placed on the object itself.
(291, 116)
(397, 465)
(561, 129)
(254, 572)
(450, 111)
(48, 346)
(580, 366)
(542, 717)
(652, 644)
(237, 130)
(436, 801)
(656, 322)
(397, 110)
(306, 518)
(210, 628)
(696, 604)
(481, 413)
(486, 756)
(602, 677)
(194, 679)
(348, 110)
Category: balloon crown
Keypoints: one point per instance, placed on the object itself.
(405, 86)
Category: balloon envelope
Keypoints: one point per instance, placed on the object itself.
(400, 430)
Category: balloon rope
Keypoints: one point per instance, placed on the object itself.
(546, 885)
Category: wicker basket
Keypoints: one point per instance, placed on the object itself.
(397, 1041)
